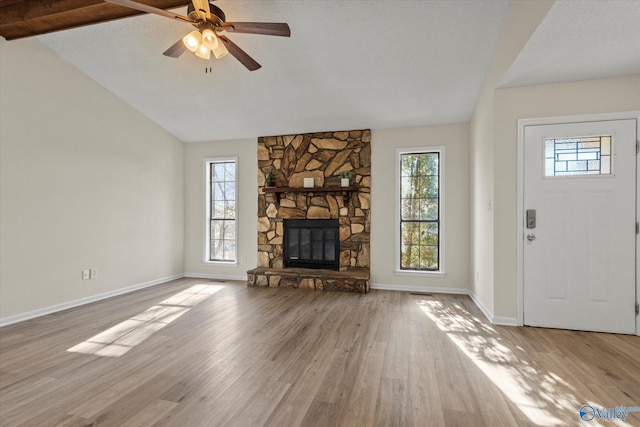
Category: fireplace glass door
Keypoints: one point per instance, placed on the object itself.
(312, 243)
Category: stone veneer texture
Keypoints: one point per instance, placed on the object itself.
(321, 156)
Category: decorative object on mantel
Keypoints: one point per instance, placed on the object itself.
(270, 180)
(308, 183)
(345, 178)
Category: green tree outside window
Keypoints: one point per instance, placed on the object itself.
(222, 213)
(419, 211)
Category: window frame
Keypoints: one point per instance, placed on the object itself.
(207, 210)
(440, 150)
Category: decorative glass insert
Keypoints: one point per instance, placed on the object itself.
(222, 211)
(419, 211)
(578, 156)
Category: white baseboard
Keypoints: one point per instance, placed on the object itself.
(505, 321)
(10, 320)
(483, 308)
(215, 276)
(495, 320)
(422, 289)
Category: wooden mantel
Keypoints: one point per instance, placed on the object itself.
(345, 191)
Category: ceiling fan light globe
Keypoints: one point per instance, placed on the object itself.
(220, 51)
(209, 39)
(193, 41)
(203, 52)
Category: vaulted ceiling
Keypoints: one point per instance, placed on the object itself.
(348, 64)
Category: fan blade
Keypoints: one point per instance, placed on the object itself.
(266, 28)
(202, 7)
(175, 50)
(149, 9)
(240, 54)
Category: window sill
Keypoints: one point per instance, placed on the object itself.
(221, 263)
(417, 273)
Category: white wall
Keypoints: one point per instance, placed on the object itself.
(585, 97)
(86, 181)
(523, 20)
(455, 139)
(481, 201)
(247, 152)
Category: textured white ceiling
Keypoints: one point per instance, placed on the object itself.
(580, 40)
(348, 65)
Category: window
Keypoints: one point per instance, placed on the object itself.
(221, 205)
(419, 210)
(578, 156)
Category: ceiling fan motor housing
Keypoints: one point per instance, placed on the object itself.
(216, 12)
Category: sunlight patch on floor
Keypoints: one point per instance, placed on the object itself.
(536, 393)
(118, 340)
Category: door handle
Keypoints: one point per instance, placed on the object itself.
(531, 218)
(531, 237)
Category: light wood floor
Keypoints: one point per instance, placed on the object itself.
(225, 354)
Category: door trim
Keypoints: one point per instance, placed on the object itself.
(522, 123)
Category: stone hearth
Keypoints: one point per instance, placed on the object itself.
(322, 156)
(355, 280)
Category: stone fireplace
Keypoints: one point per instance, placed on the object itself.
(326, 227)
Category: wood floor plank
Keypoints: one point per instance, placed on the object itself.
(261, 405)
(361, 406)
(150, 414)
(238, 356)
(391, 404)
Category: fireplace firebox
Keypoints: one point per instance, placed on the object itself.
(313, 243)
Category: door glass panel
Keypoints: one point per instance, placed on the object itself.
(578, 156)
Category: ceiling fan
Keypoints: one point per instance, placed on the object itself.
(209, 21)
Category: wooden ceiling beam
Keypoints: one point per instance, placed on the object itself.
(27, 18)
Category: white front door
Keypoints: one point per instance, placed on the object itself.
(580, 250)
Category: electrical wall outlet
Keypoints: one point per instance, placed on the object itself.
(94, 273)
(86, 274)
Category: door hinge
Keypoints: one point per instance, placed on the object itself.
(637, 146)
(637, 309)
(637, 228)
